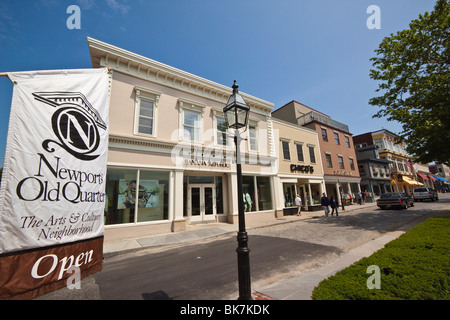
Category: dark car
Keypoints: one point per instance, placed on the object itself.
(425, 193)
(395, 200)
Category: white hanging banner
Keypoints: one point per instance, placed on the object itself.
(54, 174)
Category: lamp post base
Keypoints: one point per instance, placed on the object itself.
(243, 253)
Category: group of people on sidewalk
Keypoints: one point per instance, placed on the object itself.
(326, 203)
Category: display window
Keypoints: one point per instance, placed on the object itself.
(136, 196)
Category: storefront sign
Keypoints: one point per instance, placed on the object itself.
(53, 188)
(206, 163)
(342, 173)
(301, 168)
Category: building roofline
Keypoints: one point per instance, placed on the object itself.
(302, 105)
(106, 55)
(294, 126)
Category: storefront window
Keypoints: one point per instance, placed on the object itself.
(124, 191)
(289, 194)
(121, 195)
(248, 187)
(264, 193)
(315, 193)
(219, 195)
(153, 196)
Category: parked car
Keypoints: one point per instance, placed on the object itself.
(425, 193)
(395, 200)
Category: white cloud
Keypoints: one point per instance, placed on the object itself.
(115, 5)
(86, 4)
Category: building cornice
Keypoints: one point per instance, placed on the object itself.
(106, 55)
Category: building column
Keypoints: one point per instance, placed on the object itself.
(277, 192)
(323, 188)
(338, 193)
(310, 194)
(176, 199)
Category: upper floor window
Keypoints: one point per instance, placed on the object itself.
(352, 164)
(146, 116)
(252, 138)
(191, 126)
(341, 162)
(299, 147)
(312, 156)
(285, 147)
(347, 141)
(146, 103)
(336, 138)
(361, 170)
(324, 134)
(222, 127)
(328, 159)
(190, 121)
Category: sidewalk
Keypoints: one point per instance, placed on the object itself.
(208, 230)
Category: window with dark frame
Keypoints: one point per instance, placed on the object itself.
(286, 153)
(300, 157)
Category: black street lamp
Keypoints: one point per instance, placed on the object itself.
(236, 112)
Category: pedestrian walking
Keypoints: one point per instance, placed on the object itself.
(359, 197)
(325, 203)
(298, 203)
(334, 206)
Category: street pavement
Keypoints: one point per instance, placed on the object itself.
(297, 287)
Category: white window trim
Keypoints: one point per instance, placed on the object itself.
(282, 151)
(331, 159)
(338, 138)
(309, 152)
(255, 124)
(149, 95)
(349, 141)
(303, 151)
(185, 104)
(216, 131)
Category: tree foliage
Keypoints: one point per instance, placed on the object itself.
(413, 67)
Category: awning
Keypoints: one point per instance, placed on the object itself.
(407, 182)
(431, 177)
(440, 178)
(424, 177)
(412, 182)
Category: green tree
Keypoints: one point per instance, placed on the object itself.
(413, 67)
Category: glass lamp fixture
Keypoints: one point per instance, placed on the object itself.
(236, 110)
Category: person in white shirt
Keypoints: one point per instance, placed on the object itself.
(298, 203)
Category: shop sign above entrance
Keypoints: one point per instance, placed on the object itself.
(205, 163)
(343, 173)
(301, 168)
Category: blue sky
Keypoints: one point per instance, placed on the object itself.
(314, 52)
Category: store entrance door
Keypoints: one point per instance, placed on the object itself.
(303, 195)
(202, 202)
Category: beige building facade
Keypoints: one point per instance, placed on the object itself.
(171, 159)
(299, 168)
